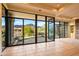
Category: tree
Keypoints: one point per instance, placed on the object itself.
(28, 30)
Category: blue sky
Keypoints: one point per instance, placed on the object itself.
(3, 22)
(19, 22)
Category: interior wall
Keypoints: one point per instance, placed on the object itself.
(71, 29)
(0, 28)
(77, 28)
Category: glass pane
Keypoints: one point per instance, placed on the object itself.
(66, 30)
(3, 32)
(29, 31)
(56, 30)
(50, 30)
(41, 29)
(18, 32)
(61, 29)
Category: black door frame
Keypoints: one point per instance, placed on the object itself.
(52, 21)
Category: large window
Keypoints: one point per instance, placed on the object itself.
(40, 29)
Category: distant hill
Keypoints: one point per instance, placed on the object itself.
(20, 26)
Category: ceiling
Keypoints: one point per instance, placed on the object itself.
(61, 11)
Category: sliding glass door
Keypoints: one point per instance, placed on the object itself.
(50, 29)
(40, 29)
(29, 31)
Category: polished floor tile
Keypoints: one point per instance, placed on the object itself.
(61, 47)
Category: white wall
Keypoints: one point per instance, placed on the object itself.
(71, 35)
(0, 28)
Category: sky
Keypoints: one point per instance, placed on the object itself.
(19, 22)
(3, 22)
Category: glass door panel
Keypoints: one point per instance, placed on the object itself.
(29, 31)
(18, 32)
(66, 30)
(57, 30)
(50, 30)
(61, 29)
(41, 29)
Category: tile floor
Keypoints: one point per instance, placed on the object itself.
(61, 47)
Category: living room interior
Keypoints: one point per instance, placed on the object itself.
(39, 29)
